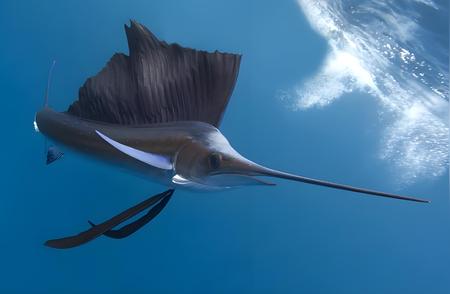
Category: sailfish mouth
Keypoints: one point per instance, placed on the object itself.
(236, 179)
(247, 170)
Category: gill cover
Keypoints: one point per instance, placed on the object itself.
(210, 162)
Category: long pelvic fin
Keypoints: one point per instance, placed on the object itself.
(156, 160)
(131, 228)
(297, 178)
(98, 230)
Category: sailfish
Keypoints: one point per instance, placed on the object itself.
(157, 112)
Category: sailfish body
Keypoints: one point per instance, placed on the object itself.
(162, 152)
(157, 111)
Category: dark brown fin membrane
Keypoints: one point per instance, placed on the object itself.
(98, 230)
(131, 228)
(158, 82)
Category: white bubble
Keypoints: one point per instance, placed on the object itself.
(377, 53)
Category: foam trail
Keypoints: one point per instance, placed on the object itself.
(381, 48)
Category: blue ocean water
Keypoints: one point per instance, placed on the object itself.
(291, 238)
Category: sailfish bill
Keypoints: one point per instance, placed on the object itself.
(302, 179)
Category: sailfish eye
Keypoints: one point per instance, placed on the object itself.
(214, 160)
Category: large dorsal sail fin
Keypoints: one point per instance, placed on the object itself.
(158, 82)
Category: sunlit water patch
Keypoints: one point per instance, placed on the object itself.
(383, 48)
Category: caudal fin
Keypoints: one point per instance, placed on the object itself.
(49, 80)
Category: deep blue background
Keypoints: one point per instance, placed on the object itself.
(291, 238)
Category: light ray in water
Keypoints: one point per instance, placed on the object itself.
(383, 48)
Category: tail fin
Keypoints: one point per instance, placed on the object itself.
(50, 156)
(49, 79)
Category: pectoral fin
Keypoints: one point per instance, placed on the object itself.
(98, 230)
(156, 160)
